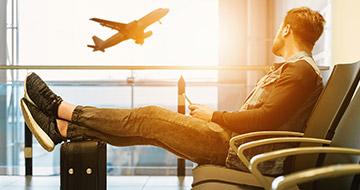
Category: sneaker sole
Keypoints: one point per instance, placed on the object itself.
(26, 95)
(43, 139)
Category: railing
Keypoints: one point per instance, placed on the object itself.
(116, 67)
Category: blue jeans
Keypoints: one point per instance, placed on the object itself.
(191, 138)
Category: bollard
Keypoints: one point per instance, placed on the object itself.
(181, 109)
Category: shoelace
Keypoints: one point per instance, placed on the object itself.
(46, 92)
(49, 95)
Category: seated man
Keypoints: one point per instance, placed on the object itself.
(281, 100)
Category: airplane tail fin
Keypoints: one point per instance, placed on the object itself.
(98, 43)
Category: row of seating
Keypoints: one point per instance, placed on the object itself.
(332, 129)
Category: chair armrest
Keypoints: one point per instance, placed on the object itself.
(256, 160)
(245, 146)
(291, 180)
(262, 133)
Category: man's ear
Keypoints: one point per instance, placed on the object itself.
(286, 30)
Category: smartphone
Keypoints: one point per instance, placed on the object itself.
(187, 99)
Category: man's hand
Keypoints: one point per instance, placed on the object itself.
(201, 112)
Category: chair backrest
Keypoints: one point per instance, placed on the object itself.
(347, 134)
(330, 107)
(334, 100)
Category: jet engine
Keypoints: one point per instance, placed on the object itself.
(140, 40)
(148, 34)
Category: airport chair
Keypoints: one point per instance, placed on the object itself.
(327, 111)
(333, 171)
(342, 156)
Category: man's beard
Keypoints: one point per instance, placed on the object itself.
(277, 47)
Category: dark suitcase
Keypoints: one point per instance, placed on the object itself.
(83, 165)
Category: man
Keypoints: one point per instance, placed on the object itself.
(281, 100)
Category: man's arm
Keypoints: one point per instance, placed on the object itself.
(294, 86)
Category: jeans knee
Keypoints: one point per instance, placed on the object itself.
(150, 109)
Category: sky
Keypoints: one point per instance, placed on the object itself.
(57, 32)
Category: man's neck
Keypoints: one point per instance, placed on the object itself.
(292, 50)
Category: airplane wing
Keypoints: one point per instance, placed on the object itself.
(110, 24)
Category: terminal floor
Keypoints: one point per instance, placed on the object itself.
(113, 182)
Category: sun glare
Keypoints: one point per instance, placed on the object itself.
(57, 32)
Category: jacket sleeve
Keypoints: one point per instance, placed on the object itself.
(295, 84)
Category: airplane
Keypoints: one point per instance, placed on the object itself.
(134, 30)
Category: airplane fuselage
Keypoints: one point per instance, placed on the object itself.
(133, 30)
(113, 40)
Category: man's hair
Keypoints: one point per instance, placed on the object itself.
(306, 24)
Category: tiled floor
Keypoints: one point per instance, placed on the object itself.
(114, 182)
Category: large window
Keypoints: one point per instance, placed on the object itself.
(57, 33)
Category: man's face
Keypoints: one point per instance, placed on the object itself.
(279, 40)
